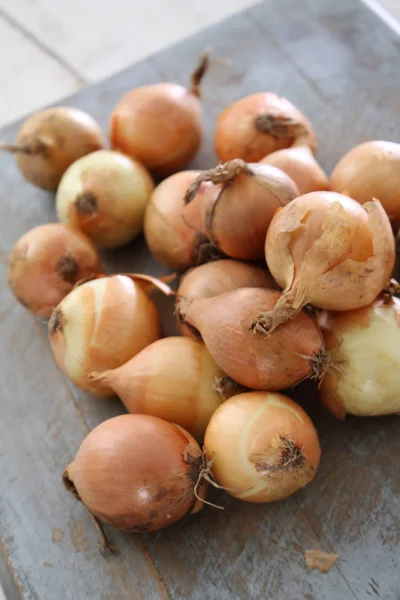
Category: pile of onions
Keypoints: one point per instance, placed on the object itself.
(137, 473)
(105, 195)
(45, 264)
(173, 378)
(264, 446)
(160, 125)
(371, 170)
(290, 354)
(300, 164)
(364, 346)
(327, 250)
(258, 125)
(217, 277)
(49, 141)
(99, 326)
(241, 205)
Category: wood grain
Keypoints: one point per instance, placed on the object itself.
(323, 59)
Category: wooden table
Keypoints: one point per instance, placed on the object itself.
(340, 65)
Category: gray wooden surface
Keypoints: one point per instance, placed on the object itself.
(340, 65)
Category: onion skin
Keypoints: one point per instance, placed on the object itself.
(173, 379)
(105, 195)
(45, 264)
(371, 170)
(278, 361)
(53, 139)
(136, 472)
(237, 134)
(265, 447)
(364, 346)
(100, 326)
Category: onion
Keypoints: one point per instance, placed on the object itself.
(100, 326)
(137, 473)
(49, 141)
(104, 195)
(258, 125)
(292, 353)
(371, 170)
(364, 346)
(265, 447)
(299, 163)
(160, 125)
(173, 379)
(46, 263)
(238, 215)
(174, 233)
(217, 277)
(327, 250)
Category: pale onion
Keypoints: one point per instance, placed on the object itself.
(105, 195)
(100, 325)
(49, 141)
(173, 378)
(265, 447)
(371, 170)
(364, 347)
(45, 264)
(137, 473)
(217, 277)
(327, 250)
(241, 204)
(290, 354)
(160, 125)
(259, 124)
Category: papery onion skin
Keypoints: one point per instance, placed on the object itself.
(136, 472)
(173, 379)
(237, 135)
(45, 264)
(364, 346)
(53, 139)
(371, 170)
(265, 447)
(276, 362)
(105, 195)
(99, 326)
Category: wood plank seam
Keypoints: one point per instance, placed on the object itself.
(11, 570)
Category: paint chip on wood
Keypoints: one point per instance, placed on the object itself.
(58, 535)
(318, 559)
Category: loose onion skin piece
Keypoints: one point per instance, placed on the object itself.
(327, 250)
(265, 447)
(173, 379)
(105, 195)
(137, 473)
(364, 346)
(258, 125)
(49, 141)
(371, 170)
(217, 277)
(45, 264)
(99, 326)
(292, 353)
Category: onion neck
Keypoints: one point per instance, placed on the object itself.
(280, 127)
(35, 146)
(198, 74)
(69, 484)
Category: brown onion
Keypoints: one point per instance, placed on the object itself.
(160, 125)
(45, 264)
(173, 378)
(105, 195)
(371, 170)
(241, 205)
(327, 250)
(258, 125)
(137, 473)
(265, 447)
(217, 277)
(99, 326)
(49, 141)
(292, 353)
